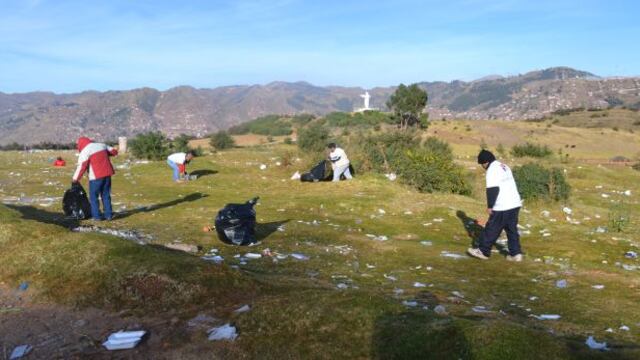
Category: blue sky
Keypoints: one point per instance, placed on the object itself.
(70, 46)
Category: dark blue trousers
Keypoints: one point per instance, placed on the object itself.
(102, 188)
(498, 221)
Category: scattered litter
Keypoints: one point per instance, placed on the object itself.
(263, 167)
(381, 211)
(215, 258)
(410, 303)
(130, 235)
(398, 292)
(609, 330)
(242, 309)
(624, 328)
(631, 255)
(391, 176)
(183, 247)
(438, 220)
(440, 310)
(296, 176)
(426, 243)
(390, 277)
(533, 298)
(567, 210)
(594, 345)
(480, 309)
(419, 284)
(601, 230)
(123, 340)
(253, 255)
(458, 294)
(224, 332)
(627, 192)
(545, 213)
(546, 316)
(453, 255)
(605, 195)
(561, 284)
(598, 287)
(23, 286)
(299, 256)
(20, 351)
(371, 266)
(342, 286)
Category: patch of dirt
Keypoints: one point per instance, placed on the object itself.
(60, 332)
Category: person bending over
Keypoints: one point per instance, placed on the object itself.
(178, 163)
(339, 162)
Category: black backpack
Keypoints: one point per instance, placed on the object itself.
(236, 223)
(75, 203)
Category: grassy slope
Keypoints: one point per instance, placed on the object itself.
(297, 310)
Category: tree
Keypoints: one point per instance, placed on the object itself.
(151, 146)
(407, 104)
(221, 140)
(181, 143)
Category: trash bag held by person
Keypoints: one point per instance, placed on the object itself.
(95, 159)
(503, 207)
(339, 162)
(75, 203)
(235, 223)
(178, 163)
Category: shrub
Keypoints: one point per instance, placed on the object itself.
(536, 182)
(431, 171)
(429, 167)
(181, 143)
(221, 140)
(288, 141)
(313, 138)
(151, 146)
(531, 150)
(270, 125)
(618, 218)
(636, 166)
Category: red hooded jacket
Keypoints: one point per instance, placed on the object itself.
(95, 158)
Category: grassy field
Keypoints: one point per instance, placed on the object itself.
(355, 297)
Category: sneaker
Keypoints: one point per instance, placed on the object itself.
(516, 258)
(476, 253)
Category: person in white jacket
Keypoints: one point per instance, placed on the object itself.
(339, 162)
(178, 163)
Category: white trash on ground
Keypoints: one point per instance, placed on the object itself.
(593, 344)
(391, 176)
(123, 340)
(224, 332)
(299, 256)
(20, 351)
(419, 284)
(598, 287)
(546, 316)
(440, 310)
(561, 284)
(453, 255)
(481, 310)
(296, 176)
(242, 309)
(410, 303)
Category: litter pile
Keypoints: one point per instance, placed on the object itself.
(124, 340)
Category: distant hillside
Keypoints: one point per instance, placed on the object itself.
(41, 116)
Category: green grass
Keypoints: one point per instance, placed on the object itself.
(297, 309)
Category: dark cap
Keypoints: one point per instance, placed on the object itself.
(485, 156)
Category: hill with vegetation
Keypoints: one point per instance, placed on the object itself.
(36, 117)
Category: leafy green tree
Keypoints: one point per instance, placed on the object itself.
(407, 104)
(181, 143)
(151, 146)
(221, 140)
(313, 138)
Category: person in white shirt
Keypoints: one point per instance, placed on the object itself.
(503, 206)
(178, 163)
(339, 162)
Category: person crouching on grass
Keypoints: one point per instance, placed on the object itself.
(95, 158)
(339, 162)
(503, 206)
(178, 162)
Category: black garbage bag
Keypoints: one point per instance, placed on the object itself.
(75, 203)
(322, 172)
(236, 223)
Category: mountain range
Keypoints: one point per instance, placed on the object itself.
(43, 116)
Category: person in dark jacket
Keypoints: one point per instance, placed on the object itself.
(94, 158)
(503, 206)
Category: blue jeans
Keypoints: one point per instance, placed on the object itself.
(102, 188)
(176, 171)
(501, 220)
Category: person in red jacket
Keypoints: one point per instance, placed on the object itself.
(59, 162)
(94, 158)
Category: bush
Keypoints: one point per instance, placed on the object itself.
(429, 167)
(151, 146)
(636, 166)
(288, 141)
(536, 182)
(313, 138)
(365, 118)
(221, 140)
(531, 150)
(181, 143)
